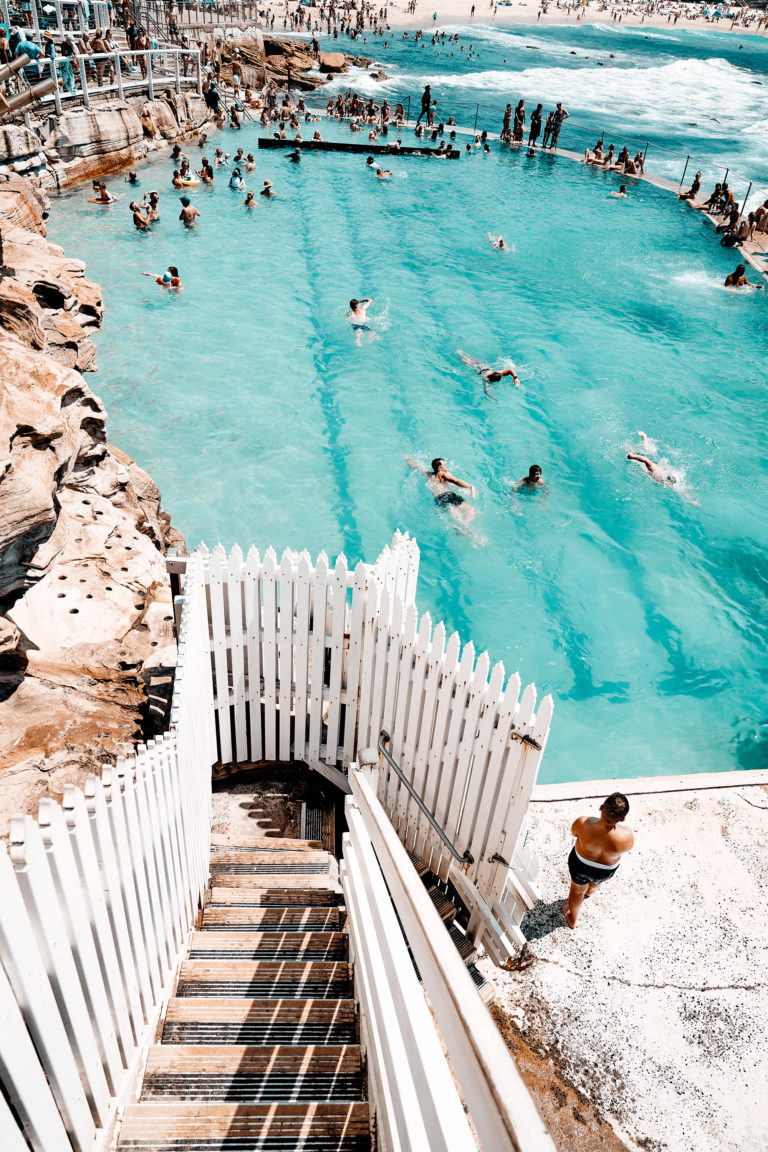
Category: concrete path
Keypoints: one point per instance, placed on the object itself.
(651, 1018)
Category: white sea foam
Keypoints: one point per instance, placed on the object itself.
(712, 94)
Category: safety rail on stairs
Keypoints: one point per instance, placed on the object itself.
(98, 899)
(310, 663)
(419, 1103)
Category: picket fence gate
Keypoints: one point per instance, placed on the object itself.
(312, 662)
(98, 899)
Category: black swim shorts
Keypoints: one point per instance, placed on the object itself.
(447, 498)
(582, 873)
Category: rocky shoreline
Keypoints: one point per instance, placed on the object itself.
(86, 616)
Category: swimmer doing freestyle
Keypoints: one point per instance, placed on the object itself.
(487, 374)
(658, 472)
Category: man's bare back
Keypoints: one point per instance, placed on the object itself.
(601, 841)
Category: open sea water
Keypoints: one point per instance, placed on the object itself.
(264, 420)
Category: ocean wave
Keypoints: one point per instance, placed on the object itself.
(712, 93)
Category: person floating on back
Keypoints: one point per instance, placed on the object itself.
(601, 841)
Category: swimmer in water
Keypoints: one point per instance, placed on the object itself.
(487, 374)
(738, 278)
(267, 190)
(498, 242)
(169, 279)
(132, 178)
(439, 481)
(661, 473)
(188, 213)
(383, 174)
(358, 317)
(249, 201)
(140, 221)
(621, 194)
(532, 481)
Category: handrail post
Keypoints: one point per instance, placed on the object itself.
(119, 75)
(199, 74)
(150, 85)
(84, 82)
(745, 199)
(176, 71)
(645, 153)
(57, 94)
(467, 857)
(477, 113)
(687, 162)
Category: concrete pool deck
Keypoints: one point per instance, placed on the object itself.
(646, 1028)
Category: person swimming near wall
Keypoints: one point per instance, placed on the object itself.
(441, 483)
(738, 279)
(383, 173)
(487, 374)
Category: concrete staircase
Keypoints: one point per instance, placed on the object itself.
(259, 1047)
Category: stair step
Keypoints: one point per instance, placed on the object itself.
(485, 988)
(294, 919)
(465, 946)
(419, 865)
(226, 897)
(265, 879)
(273, 980)
(445, 908)
(224, 860)
(233, 843)
(208, 945)
(195, 1020)
(156, 1127)
(254, 1074)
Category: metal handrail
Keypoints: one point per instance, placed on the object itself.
(467, 857)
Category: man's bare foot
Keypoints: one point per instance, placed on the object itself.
(568, 915)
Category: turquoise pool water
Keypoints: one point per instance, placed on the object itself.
(262, 420)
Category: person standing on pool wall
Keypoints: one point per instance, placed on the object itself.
(601, 841)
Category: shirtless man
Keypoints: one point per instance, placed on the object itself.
(600, 844)
(498, 242)
(439, 480)
(487, 374)
(531, 481)
(140, 221)
(383, 173)
(188, 213)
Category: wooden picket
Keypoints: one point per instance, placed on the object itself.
(99, 896)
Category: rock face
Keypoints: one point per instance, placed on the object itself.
(333, 62)
(90, 142)
(86, 630)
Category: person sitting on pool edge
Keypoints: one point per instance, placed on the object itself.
(600, 844)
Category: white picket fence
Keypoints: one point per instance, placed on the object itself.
(311, 663)
(432, 1050)
(98, 898)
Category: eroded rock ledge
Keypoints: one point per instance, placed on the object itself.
(86, 630)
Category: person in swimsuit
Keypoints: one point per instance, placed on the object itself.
(531, 481)
(738, 278)
(189, 213)
(358, 316)
(662, 474)
(487, 374)
(439, 480)
(498, 242)
(601, 841)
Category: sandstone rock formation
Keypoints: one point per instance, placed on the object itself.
(89, 142)
(86, 620)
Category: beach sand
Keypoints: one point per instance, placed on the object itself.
(457, 12)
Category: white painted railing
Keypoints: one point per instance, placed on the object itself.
(311, 663)
(98, 897)
(419, 1105)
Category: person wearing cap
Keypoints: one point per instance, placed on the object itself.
(189, 213)
(236, 180)
(267, 189)
(169, 279)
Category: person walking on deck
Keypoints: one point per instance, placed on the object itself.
(426, 103)
(601, 841)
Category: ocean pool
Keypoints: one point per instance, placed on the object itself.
(249, 401)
